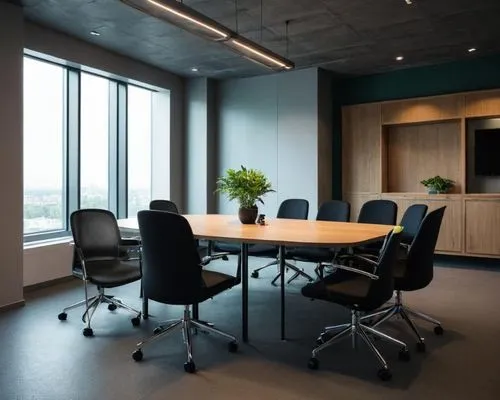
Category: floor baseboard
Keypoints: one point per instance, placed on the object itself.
(11, 306)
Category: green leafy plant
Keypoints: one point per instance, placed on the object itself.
(438, 184)
(245, 185)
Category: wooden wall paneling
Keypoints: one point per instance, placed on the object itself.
(361, 137)
(423, 110)
(482, 228)
(416, 152)
(482, 104)
(357, 200)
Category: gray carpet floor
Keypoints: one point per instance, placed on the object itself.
(43, 358)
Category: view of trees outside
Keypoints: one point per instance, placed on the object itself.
(44, 152)
(43, 146)
(139, 149)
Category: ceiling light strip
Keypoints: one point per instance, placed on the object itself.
(260, 54)
(188, 18)
(231, 39)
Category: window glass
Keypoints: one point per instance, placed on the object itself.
(44, 154)
(94, 142)
(138, 149)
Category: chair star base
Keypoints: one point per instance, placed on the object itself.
(187, 325)
(91, 305)
(354, 329)
(405, 312)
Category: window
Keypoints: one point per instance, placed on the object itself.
(94, 142)
(138, 149)
(89, 142)
(44, 155)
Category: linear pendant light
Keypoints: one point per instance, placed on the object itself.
(191, 20)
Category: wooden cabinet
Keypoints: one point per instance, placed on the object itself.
(423, 110)
(482, 104)
(450, 236)
(361, 138)
(482, 222)
(389, 147)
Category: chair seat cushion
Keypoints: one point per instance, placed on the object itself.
(227, 247)
(263, 250)
(342, 287)
(311, 254)
(215, 283)
(112, 273)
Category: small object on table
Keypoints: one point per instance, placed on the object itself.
(261, 219)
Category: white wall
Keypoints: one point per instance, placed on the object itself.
(11, 149)
(272, 123)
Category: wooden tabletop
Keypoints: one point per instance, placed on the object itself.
(289, 232)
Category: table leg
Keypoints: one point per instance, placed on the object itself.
(145, 307)
(244, 291)
(282, 279)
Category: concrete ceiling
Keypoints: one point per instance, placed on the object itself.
(349, 37)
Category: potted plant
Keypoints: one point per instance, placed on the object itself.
(437, 184)
(246, 185)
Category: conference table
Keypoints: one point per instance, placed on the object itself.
(279, 232)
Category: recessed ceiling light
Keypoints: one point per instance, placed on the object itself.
(94, 33)
(472, 50)
(399, 58)
(194, 69)
(409, 2)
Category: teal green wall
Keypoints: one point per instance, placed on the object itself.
(460, 76)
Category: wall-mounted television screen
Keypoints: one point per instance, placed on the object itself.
(487, 151)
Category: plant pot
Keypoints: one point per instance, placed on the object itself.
(432, 190)
(248, 215)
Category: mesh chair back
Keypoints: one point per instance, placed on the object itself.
(334, 210)
(96, 233)
(412, 218)
(420, 259)
(171, 264)
(381, 290)
(163, 205)
(293, 209)
(382, 212)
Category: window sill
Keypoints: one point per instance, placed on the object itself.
(47, 242)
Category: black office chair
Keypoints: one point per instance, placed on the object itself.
(290, 209)
(170, 206)
(411, 220)
(383, 212)
(173, 274)
(360, 291)
(100, 259)
(415, 272)
(333, 210)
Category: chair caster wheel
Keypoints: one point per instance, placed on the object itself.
(137, 355)
(232, 347)
(384, 374)
(438, 330)
(421, 347)
(404, 355)
(313, 363)
(112, 307)
(62, 316)
(190, 367)
(157, 330)
(136, 321)
(255, 274)
(225, 258)
(87, 332)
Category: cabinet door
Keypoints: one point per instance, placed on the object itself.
(361, 149)
(482, 222)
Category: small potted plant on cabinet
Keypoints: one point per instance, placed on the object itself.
(437, 185)
(246, 185)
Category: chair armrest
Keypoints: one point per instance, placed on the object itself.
(357, 271)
